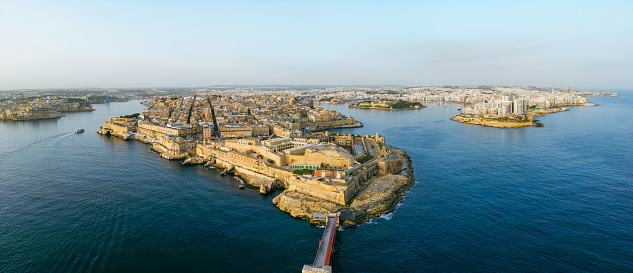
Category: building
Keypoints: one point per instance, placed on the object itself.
(277, 145)
(208, 131)
(176, 146)
(235, 131)
(519, 106)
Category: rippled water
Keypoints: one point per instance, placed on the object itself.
(556, 198)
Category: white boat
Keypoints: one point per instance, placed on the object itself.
(79, 131)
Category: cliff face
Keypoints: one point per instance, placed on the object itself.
(303, 206)
(380, 196)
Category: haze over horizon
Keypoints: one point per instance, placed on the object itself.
(70, 44)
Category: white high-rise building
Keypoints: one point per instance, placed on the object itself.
(519, 106)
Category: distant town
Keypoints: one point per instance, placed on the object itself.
(496, 106)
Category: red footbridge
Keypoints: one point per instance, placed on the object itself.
(324, 254)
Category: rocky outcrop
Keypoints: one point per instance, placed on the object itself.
(210, 162)
(229, 169)
(381, 194)
(195, 160)
(303, 206)
(265, 183)
(379, 197)
(102, 131)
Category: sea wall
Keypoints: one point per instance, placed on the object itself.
(114, 130)
(334, 193)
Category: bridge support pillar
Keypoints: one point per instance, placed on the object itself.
(316, 269)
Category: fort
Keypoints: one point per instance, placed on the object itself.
(317, 176)
(321, 173)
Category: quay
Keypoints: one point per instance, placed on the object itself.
(324, 254)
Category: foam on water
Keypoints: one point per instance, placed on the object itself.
(239, 179)
(387, 216)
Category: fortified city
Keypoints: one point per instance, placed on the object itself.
(276, 142)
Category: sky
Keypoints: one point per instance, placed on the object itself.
(135, 43)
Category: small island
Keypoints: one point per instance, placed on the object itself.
(388, 105)
(505, 121)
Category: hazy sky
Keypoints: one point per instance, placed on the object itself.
(65, 44)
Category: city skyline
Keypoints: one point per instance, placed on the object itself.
(167, 44)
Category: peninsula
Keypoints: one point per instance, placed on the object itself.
(515, 108)
(277, 141)
(387, 105)
(41, 108)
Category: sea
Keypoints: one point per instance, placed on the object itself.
(553, 199)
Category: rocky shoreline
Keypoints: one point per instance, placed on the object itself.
(494, 122)
(378, 195)
(511, 122)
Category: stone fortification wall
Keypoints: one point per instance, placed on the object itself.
(312, 187)
(113, 129)
(242, 148)
(292, 182)
(364, 171)
(278, 159)
(358, 175)
(150, 132)
(155, 131)
(290, 158)
(123, 121)
(386, 166)
(245, 162)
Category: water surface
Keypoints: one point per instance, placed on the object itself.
(556, 198)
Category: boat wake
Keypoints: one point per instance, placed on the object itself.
(33, 143)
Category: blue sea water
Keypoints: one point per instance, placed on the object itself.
(552, 199)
